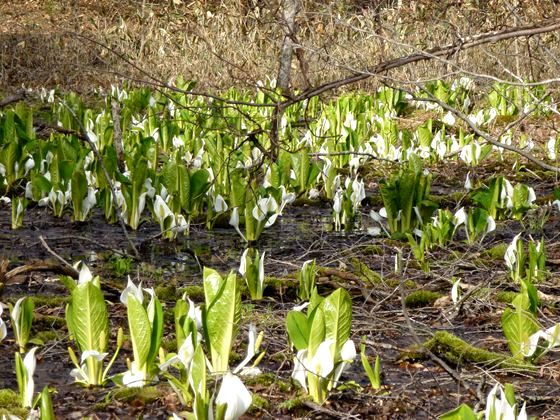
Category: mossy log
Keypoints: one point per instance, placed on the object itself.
(456, 351)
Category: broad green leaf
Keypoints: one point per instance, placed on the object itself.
(180, 314)
(155, 314)
(298, 329)
(317, 330)
(221, 316)
(184, 187)
(518, 325)
(140, 330)
(79, 190)
(47, 410)
(40, 186)
(337, 308)
(197, 382)
(509, 392)
(199, 184)
(463, 412)
(87, 318)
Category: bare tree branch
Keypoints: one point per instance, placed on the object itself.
(464, 44)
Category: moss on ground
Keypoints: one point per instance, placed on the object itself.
(168, 292)
(259, 403)
(144, 395)
(47, 322)
(497, 252)
(365, 273)
(293, 403)
(506, 296)
(10, 403)
(192, 292)
(421, 298)
(44, 337)
(50, 301)
(458, 352)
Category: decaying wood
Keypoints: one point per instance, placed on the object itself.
(7, 276)
(19, 96)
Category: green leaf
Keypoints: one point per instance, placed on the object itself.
(87, 318)
(184, 187)
(27, 308)
(317, 330)
(509, 393)
(463, 412)
(140, 330)
(221, 315)
(518, 325)
(298, 329)
(21, 374)
(155, 314)
(79, 185)
(180, 314)
(337, 308)
(372, 374)
(47, 411)
(198, 384)
(199, 184)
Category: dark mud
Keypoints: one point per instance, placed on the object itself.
(413, 388)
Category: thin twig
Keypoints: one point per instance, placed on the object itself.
(445, 51)
(58, 257)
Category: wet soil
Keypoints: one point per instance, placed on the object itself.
(412, 387)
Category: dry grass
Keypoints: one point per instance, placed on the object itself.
(235, 43)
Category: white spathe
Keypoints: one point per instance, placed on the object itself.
(235, 395)
(131, 288)
(3, 328)
(29, 363)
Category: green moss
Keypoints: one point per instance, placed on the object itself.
(143, 395)
(166, 292)
(50, 301)
(421, 298)
(265, 379)
(497, 252)
(292, 404)
(44, 337)
(279, 283)
(408, 284)
(193, 292)
(505, 296)
(284, 386)
(10, 404)
(458, 352)
(47, 322)
(258, 402)
(269, 379)
(366, 273)
(373, 250)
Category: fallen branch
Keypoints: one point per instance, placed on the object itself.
(65, 263)
(7, 276)
(19, 96)
(458, 352)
